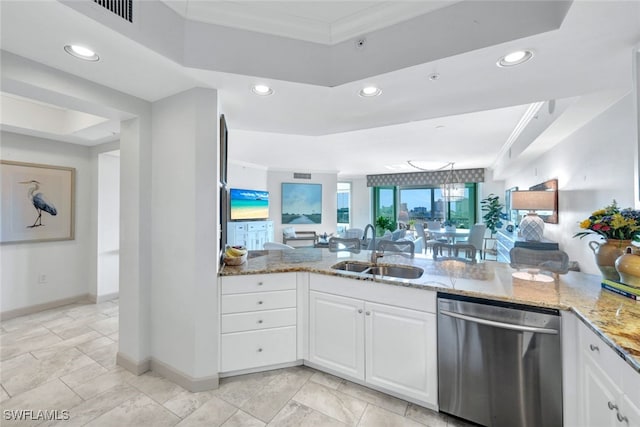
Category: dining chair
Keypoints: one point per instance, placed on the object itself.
(476, 237)
(353, 233)
(431, 239)
(337, 244)
(421, 232)
(454, 251)
(403, 246)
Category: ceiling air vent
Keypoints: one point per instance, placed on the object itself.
(122, 8)
(298, 175)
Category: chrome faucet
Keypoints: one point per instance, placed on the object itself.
(374, 251)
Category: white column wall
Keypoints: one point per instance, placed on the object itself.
(184, 232)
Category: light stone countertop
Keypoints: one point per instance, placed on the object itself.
(615, 318)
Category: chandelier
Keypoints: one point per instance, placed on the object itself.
(453, 189)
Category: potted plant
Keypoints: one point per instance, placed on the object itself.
(383, 223)
(493, 216)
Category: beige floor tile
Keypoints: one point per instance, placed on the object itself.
(106, 326)
(49, 351)
(103, 382)
(91, 409)
(53, 395)
(382, 400)
(426, 416)
(212, 414)
(94, 344)
(26, 345)
(326, 380)
(105, 355)
(265, 404)
(242, 419)
(3, 394)
(238, 390)
(33, 374)
(115, 336)
(18, 335)
(138, 411)
(10, 366)
(155, 386)
(295, 414)
(377, 417)
(186, 402)
(331, 402)
(83, 375)
(58, 321)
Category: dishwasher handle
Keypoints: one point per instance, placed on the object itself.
(510, 326)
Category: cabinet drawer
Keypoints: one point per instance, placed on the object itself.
(258, 283)
(257, 226)
(244, 350)
(239, 227)
(239, 303)
(258, 320)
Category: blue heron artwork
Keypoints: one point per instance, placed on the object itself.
(39, 202)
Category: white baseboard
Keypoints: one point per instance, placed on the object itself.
(186, 381)
(261, 369)
(9, 314)
(97, 299)
(132, 366)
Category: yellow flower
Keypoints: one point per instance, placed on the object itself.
(618, 221)
(599, 212)
(586, 223)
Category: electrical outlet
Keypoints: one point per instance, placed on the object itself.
(42, 278)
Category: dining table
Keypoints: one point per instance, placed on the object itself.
(451, 235)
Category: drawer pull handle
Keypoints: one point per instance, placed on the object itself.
(368, 313)
(622, 418)
(260, 283)
(593, 347)
(612, 406)
(259, 350)
(260, 321)
(259, 302)
(360, 311)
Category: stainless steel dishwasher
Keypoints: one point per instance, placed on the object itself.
(499, 364)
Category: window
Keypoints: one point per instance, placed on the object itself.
(425, 203)
(344, 204)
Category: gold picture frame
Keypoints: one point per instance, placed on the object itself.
(38, 202)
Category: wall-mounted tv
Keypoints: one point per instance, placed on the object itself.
(248, 204)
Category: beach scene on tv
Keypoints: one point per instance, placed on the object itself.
(249, 204)
(301, 203)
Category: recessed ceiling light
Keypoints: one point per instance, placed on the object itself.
(81, 52)
(434, 76)
(515, 58)
(440, 126)
(370, 91)
(262, 90)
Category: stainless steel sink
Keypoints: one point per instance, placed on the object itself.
(354, 266)
(397, 271)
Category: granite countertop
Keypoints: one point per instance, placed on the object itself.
(616, 319)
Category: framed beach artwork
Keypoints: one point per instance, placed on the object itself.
(301, 203)
(37, 202)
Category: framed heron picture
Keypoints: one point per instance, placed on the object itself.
(37, 202)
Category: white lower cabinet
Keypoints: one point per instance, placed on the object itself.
(607, 386)
(386, 346)
(258, 322)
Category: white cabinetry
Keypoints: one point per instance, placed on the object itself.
(258, 321)
(386, 346)
(251, 234)
(608, 387)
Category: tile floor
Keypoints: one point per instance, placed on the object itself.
(64, 359)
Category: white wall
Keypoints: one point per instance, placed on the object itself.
(108, 244)
(184, 233)
(360, 202)
(594, 166)
(250, 177)
(65, 263)
(329, 183)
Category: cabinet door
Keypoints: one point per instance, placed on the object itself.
(631, 412)
(401, 351)
(336, 333)
(599, 396)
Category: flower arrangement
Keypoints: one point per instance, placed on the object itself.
(612, 223)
